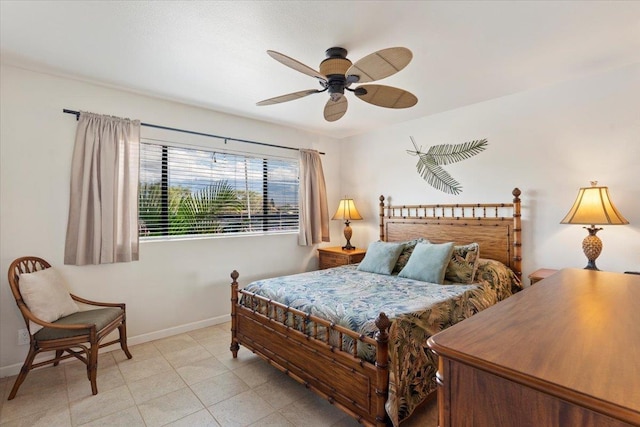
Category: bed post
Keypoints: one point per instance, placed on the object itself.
(382, 219)
(382, 367)
(234, 320)
(517, 233)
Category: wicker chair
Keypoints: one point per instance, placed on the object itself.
(78, 334)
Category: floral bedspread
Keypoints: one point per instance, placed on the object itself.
(354, 299)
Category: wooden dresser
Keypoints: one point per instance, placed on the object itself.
(565, 352)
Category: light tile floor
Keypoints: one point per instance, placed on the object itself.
(189, 379)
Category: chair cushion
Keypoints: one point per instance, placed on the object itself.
(47, 296)
(101, 317)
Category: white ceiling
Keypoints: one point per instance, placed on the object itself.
(213, 54)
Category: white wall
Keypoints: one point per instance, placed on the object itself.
(176, 285)
(548, 142)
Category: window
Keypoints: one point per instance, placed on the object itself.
(186, 191)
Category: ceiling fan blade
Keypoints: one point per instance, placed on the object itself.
(288, 97)
(380, 64)
(334, 110)
(386, 96)
(296, 65)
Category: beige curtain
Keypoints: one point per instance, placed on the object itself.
(314, 212)
(103, 207)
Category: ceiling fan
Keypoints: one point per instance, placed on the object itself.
(337, 74)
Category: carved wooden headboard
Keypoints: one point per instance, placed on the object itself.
(496, 227)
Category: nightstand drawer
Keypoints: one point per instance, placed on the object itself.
(332, 260)
(335, 257)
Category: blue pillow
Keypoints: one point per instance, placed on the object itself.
(406, 253)
(381, 257)
(428, 262)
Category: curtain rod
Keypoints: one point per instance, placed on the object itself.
(226, 138)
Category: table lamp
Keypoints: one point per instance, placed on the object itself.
(347, 211)
(593, 206)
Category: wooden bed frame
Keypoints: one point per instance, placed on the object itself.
(358, 387)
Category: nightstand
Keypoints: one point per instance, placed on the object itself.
(336, 256)
(540, 274)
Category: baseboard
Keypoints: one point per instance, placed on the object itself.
(7, 371)
(164, 333)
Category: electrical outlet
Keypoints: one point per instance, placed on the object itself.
(23, 337)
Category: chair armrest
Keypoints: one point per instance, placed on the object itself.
(97, 303)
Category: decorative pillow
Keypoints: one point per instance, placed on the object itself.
(498, 277)
(381, 257)
(428, 262)
(464, 263)
(406, 253)
(47, 296)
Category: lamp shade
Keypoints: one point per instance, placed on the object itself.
(593, 206)
(347, 211)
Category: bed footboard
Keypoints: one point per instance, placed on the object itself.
(310, 350)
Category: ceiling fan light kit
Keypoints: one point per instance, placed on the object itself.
(336, 62)
(337, 73)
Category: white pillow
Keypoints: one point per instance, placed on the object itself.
(47, 296)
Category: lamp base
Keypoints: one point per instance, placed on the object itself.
(591, 265)
(592, 246)
(347, 235)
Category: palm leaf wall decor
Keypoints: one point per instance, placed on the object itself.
(445, 154)
(429, 163)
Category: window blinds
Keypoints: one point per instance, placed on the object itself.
(192, 192)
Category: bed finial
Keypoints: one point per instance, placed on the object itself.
(382, 322)
(516, 194)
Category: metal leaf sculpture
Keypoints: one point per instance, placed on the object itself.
(429, 163)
